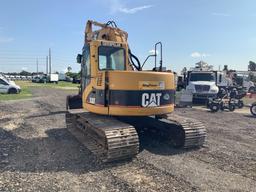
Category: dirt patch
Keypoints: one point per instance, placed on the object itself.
(37, 153)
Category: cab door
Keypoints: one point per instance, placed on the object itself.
(85, 68)
(93, 81)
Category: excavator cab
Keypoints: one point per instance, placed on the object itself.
(112, 84)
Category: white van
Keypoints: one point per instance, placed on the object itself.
(7, 86)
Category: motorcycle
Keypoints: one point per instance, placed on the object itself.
(222, 102)
(236, 97)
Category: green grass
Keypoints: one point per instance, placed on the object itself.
(27, 85)
(60, 85)
(24, 94)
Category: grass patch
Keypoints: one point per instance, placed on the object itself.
(60, 85)
(24, 94)
(27, 85)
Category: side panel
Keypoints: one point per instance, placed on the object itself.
(141, 98)
(141, 93)
(141, 80)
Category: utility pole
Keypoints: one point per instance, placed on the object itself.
(46, 65)
(50, 61)
(37, 66)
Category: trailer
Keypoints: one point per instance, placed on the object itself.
(53, 78)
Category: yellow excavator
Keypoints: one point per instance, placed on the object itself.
(117, 98)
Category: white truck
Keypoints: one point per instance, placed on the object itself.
(53, 78)
(204, 82)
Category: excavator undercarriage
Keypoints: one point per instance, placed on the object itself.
(116, 138)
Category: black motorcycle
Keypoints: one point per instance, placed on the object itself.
(236, 95)
(222, 101)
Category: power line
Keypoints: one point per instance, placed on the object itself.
(18, 58)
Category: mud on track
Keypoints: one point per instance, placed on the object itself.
(37, 153)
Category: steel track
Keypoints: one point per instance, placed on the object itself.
(106, 137)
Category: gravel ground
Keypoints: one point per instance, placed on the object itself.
(37, 153)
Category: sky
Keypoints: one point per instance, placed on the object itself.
(220, 32)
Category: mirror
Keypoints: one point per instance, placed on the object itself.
(79, 58)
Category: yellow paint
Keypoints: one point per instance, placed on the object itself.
(129, 79)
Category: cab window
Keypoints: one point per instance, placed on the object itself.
(85, 67)
(111, 58)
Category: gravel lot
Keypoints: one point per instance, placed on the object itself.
(37, 153)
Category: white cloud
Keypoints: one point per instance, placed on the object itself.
(135, 9)
(199, 55)
(6, 39)
(221, 14)
(153, 52)
(118, 6)
(195, 55)
(24, 68)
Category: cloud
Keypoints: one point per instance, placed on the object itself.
(118, 6)
(195, 55)
(221, 14)
(135, 9)
(24, 68)
(6, 39)
(152, 52)
(199, 55)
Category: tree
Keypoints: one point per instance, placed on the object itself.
(184, 71)
(69, 68)
(252, 77)
(25, 73)
(252, 66)
(72, 75)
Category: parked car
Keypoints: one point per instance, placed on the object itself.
(76, 80)
(69, 79)
(36, 79)
(7, 86)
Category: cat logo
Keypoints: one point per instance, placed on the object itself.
(151, 99)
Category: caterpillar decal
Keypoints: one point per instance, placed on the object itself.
(138, 98)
